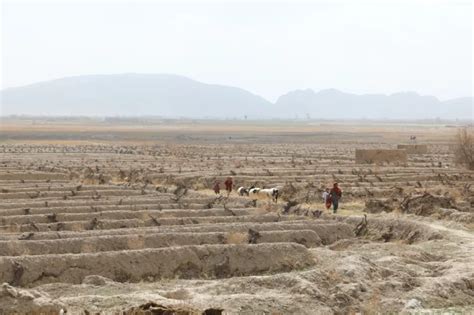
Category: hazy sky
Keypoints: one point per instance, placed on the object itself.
(268, 48)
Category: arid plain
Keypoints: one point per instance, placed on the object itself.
(119, 217)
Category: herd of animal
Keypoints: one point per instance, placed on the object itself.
(259, 193)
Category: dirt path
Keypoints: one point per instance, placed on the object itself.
(450, 231)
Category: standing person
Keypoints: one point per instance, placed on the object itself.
(335, 194)
(327, 198)
(217, 187)
(228, 185)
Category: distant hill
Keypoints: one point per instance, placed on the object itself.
(335, 104)
(176, 96)
(132, 94)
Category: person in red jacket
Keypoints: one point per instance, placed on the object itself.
(228, 185)
(335, 194)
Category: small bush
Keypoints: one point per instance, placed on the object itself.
(464, 148)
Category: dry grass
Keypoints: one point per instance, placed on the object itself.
(346, 209)
(261, 210)
(454, 193)
(47, 132)
(470, 227)
(237, 238)
(211, 192)
(270, 207)
(334, 276)
(373, 305)
(351, 208)
(180, 294)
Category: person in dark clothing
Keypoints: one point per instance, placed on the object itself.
(228, 185)
(217, 187)
(335, 194)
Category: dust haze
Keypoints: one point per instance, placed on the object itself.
(236, 157)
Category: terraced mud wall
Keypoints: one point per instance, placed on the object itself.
(145, 216)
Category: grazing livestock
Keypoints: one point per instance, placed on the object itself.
(264, 193)
(242, 191)
(253, 191)
(272, 193)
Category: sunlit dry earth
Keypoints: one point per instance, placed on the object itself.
(120, 218)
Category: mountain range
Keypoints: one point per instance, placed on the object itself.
(177, 96)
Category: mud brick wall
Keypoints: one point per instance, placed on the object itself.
(380, 156)
(414, 148)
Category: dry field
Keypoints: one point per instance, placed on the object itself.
(98, 218)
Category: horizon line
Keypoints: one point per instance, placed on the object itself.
(219, 84)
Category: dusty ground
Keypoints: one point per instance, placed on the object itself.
(120, 219)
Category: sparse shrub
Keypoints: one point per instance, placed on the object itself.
(237, 238)
(464, 148)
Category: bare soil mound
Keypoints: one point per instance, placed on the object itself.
(20, 301)
(389, 230)
(426, 204)
(154, 308)
(375, 205)
(440, 207)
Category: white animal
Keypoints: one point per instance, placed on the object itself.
(242, 191)
(264, 193)
(253, 191)
(272, 193)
